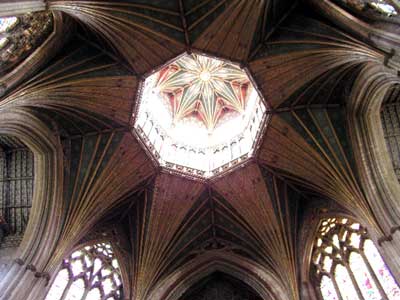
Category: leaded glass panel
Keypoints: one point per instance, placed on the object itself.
(347, 264)
(91, 273)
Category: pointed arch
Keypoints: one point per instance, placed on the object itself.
(345, 263)
(90, 272)
(48, 161)
(261, 280)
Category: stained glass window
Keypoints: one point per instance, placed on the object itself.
(21, 35)
(7, 23)
(327, 289)
(347, 265)
(91, 273)
(381, 7)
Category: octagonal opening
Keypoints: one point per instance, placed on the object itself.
(199, 115)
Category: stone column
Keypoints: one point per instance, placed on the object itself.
(376, 175)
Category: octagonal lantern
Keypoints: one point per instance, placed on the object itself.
(199, 116)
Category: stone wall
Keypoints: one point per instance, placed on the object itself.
(391, 126)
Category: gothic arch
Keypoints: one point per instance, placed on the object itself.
(251, 273)
(372, 158)
(34, 249)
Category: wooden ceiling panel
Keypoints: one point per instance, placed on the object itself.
(302, 50)
(98, 173)
(312, 149)
(145, 35)
(257, 202)
(83, 80)
(232, 29)
(154, 238)
(231, 34)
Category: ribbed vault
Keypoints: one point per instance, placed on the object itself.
(95, 176)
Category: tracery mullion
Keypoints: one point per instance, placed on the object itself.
(345, 263)
(373, 275)
(89, 284)
(335, 285)
(65, 293)
(335, 262)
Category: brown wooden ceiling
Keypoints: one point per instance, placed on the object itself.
(303, 65)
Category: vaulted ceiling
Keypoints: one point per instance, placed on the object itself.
(166, 225)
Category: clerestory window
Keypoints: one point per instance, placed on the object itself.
(91, 273)
(347, 265)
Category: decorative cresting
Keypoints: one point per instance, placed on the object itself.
(209, 228)
(347, 265)
(90, 273)
(21, 35)
(200, 115)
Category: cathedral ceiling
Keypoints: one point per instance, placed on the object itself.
(304, 67)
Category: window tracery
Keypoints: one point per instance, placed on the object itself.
(347, 265)
(21, 35)
(381, 7)
(91, 273)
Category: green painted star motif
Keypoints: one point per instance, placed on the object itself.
(203, 87)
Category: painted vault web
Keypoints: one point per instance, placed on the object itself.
(199, 115)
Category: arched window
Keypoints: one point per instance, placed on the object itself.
(390, 116)
(91, 273)
(347, 265)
